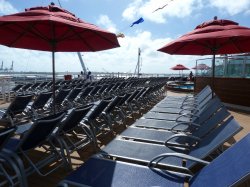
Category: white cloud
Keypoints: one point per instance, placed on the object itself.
(6, 8)
(122, 59)
(232, 7)
(173, 8)
(31, 60)
(247, 12)
(131, 12)
(105, 22)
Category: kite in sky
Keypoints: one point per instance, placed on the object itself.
(137, 22)
(161, 7)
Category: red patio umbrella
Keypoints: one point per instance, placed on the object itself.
(179, 67)
(211, 38)
(53, 29)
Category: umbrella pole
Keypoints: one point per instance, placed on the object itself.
(213, 74)
(53, 81)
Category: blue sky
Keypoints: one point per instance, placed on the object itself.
(159, 28)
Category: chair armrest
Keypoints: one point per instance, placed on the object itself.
(189, 109)
(160, 157)
(168, 143)
(185, 123)
(186, 115)
(189, 104)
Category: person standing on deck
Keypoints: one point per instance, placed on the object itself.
(191, 76)
(89, 76)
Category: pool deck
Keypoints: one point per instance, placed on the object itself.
(81, 156)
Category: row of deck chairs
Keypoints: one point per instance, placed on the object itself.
(34, 106)
(167, 145)
(55, 137)
(31, 88)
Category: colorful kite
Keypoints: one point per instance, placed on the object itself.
(137, 22)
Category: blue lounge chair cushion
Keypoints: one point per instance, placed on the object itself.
(228, 168)
(103, 173)
(12, 144)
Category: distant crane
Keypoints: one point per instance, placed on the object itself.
(138, 68)
(82, 63)
(11, 67)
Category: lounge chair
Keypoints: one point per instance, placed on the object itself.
(165, 136)
(112, 113)
(202, 98)
(98, 127)
(231, 168)
(37, 107)
(69, 100)
(17, 107)
(83, 96)
(38, 135)
(73, 134)
(141, 152)
(175, 123)
(60, 97)
(184, 115)
(173, 106)
(6, 162)
(205, 90)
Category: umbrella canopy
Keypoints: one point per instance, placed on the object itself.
(53, 29)
(211, 38)
(179, 67)
(201, 67)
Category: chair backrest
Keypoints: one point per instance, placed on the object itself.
(61, 96)
(212, 106)
(42, 85)
(18, 105)
(41, 100)
(40, 131)
(74, 118)
(73, 94)
(17, 87)
(212, 122)
(123, 100)
(215, 139)
(5, 134)
(229, 169)
(205, 89)
(35, 85)
(109, 87)
(98, 109)
(113, 104)
(86, 91)
(95, 90)
(102, 89)
(205, 96)
(26, 86)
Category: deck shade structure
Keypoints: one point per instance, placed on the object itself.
(179, 67)
(54, 29)
(212, 38)
(201, 67)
